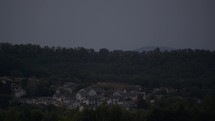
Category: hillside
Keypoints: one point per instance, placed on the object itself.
(178, 68)
(175, 85)
(151, 48)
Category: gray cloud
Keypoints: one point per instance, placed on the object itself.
(113, 24)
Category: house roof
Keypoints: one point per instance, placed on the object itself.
(85, 91)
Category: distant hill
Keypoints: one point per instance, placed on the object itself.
(150, 48)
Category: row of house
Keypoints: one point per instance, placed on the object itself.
(127, 97)
(66, 95)
(93, 96)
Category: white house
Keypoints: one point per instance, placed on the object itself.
(19, 92)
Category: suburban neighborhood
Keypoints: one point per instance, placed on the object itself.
(67, 96)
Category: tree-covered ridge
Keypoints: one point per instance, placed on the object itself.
(150, 69)
(191, 72)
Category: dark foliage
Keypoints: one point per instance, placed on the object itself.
(178, 68)
(177, 111)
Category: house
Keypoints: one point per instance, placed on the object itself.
(143, 95)
(92, 101)
(85, 95)
(19, 92)
(66, 88)
(130, 96)
(30, 101)
(64, 93)
(59, 97)
(91, 96)
(119, 100)
(70, 87)
(122, 97)
(81, 96)
(81, 108)
(44, 100)
(116, 98)
(92, 92)
(118, 93)
(99, 91)
(71, 103)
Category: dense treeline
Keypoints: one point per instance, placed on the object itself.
(178, 68)
(174, 111)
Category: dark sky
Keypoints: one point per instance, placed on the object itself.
(112, 24)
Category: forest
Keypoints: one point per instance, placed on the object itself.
(188, 70)
(177, 68)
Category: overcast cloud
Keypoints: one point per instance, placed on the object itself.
(112, 24)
